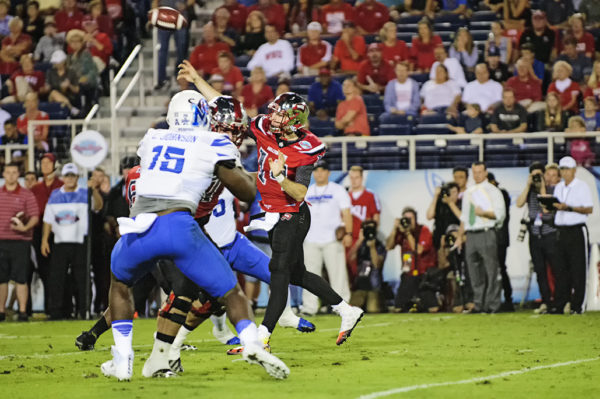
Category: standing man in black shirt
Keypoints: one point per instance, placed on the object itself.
(510, 116)
(541, 37)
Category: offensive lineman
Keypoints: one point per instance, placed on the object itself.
(283, 181)
(177, 167)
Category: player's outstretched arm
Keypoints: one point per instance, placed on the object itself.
(189, 73)
(238, 181)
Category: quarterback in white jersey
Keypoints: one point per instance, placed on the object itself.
(176, 167)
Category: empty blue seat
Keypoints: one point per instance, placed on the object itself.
(322, 128)
(303, 80)
(488, 16)
(431, 129)
(394, 130)
(14, 109)
(480, 35)
(450, 18)
(433, 119)
(412, 28)
(409, 19)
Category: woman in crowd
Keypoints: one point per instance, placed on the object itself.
(392, 49)
(503, 43)
(256, 93)
(440, 95)
(585, 41)
(464, 50)
(580, 148)
(593, 83)
(255, 34)
(81, 61)
(553, 118)
(423, 45)
(567, 89)
(224, 32)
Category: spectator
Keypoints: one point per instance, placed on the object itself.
(369, 254)
(351, 114)
(537, 68)
(580, 63)
(32, 113)
(423, 46)
(12, 136)
(503, 243)
(330, 232)
(527, 87)
(464, 50)
(18, 216)
(454, 69)
(255, 34)
(315, 53)
(460, 176)
(42, 191)
(593, 83)
(456, 7)
(68, 17)
(300, 15)
(541, 37)
(374, 73)
(418, 255)
(4, 18)
(334, 14)
(584, 41)
(100, 252)
(590, 114)
(440, 95)
(542, 232)
(50, 42)
(419, 7)
(558, 11)
(66, 216)
(80, 60)
(216, 81)
(349, 50)
(567, 89)
(324, 95)
(482, 213)
(275, 56)
(370, 16)
(237, 15)
(34, 23)
(25, 80)
(498, 70)
(30, 180)
(233, 79)
(509, 116)
(444, 210)
(592, 12)
(63, 82)
(575, 203)
(224, 32)
(516, 15)
(365, 206)
(498, 40)
(494, 5)
(283, 84)
(181, 37)
(483, 91)
(204, 56)
(116, 203)
(99, 44)
(14, 46)
(273, 12)
(552, 118)
(401, 95)
(471, 121)
(104, 21)
(580, 148)
(256, 93)
(393, 49)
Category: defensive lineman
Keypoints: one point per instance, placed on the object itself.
(177, 167)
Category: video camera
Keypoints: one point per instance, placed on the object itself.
(369, 228)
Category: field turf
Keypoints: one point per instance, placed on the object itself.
(512, 356)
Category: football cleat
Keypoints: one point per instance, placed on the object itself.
(119, 366)
(86, 341)
(163, 373)
(188, 347)
(305, 326)
(350, 319)
(254, 354)
(240, 349)
(176, 366)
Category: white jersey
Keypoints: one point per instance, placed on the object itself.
(221, 225)
(178, 164)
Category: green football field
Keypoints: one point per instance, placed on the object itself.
(517, 355)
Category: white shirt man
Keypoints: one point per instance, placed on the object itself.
(455, 70)
(275, 56)
(330, 209)
(483, 91)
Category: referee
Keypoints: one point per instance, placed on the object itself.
(575, 203)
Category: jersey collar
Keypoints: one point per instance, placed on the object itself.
(281, 143)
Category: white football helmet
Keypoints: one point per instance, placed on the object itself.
(188, 109)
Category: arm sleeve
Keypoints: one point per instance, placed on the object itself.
(48, 215)
(415, 101)
(303, 174)
(389, 99)
(343, 198)
(499, 206)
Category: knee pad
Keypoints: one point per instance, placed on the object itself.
(175, 303)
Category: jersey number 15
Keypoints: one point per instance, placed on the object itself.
(171, 161)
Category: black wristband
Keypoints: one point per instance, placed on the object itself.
(570, 209)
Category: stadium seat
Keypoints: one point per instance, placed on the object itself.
(300, 89)
(322, 128)
(14, 109)
(409, 19)
(453, 19)
(483, 16)
(420, 77)
(433, 119)
(406, 36)
(386, 156)
(480, 35)
(438, 128)
(303, 80)
(410, 28)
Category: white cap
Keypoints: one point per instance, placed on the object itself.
(69, 168)
(314, 25)
(567, 163)
(57, 57)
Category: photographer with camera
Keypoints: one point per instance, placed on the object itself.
(369, 254)
(542, 232)
(444, 210)
(452, 258)
(418, 255)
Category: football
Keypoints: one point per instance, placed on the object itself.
(167, 18)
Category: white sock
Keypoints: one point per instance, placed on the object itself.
(249, 335)
(263, 333)
(123, 335)
(219, 321)
(174, 352)
(341, 307)
(288, 318)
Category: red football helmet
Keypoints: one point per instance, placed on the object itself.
(293, 111)
(228, 115)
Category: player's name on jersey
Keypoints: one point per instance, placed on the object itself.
(179, 137)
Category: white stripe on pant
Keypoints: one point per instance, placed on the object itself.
(333, 256)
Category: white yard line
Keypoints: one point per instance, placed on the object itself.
(410, 388)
